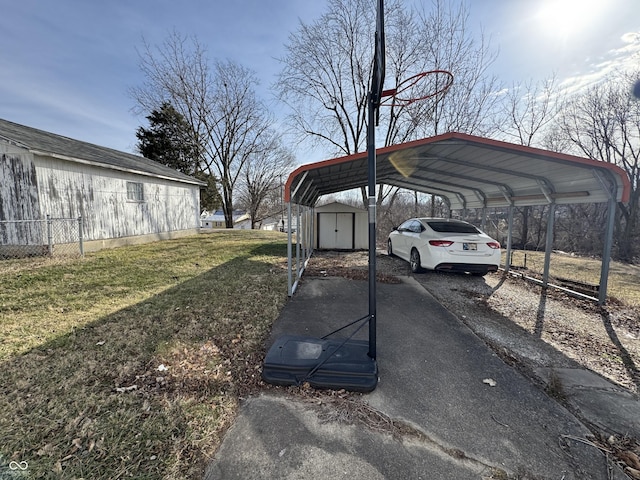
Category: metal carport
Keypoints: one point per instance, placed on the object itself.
(466, 171)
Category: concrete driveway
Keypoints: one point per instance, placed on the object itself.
(466, 414)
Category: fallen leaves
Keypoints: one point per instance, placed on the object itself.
(194, 369)
(624, 449)
(632, 463)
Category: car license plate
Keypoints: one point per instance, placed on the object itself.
(470, 246)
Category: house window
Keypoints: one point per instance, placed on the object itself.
(134, 192)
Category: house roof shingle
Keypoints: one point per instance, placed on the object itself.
(41, 142)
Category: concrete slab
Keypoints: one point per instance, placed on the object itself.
(436, 376)
(275, 437)
(597, 401)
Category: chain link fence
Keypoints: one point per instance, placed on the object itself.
(41, 238)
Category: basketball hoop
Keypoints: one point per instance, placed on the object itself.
(435, 82)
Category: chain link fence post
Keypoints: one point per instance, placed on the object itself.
(80, 236)
(49, 235)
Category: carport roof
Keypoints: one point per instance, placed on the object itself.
(467, 172)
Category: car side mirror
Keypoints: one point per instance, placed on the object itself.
(394, 228)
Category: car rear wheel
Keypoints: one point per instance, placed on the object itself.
(414, 261)
(389, 248)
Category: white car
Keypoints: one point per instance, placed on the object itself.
(444, 244)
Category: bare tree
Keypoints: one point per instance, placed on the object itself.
(261, 184)
(327, 69)
(226, 119)
(446, 44)
(325, 76)
(604, 124)
(528, 110)
(526, 114)
(240, 130)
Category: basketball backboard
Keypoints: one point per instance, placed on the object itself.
(379, 61)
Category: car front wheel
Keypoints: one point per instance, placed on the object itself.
(389, 248)
(414, 261)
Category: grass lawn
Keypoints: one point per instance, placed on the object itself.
(129, 363)
(623, 283)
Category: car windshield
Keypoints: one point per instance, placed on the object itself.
(452, 227)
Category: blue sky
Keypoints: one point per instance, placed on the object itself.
(66, 65)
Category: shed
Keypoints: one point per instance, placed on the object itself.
(340, 227)
(119, 197)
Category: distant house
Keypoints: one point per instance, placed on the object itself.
(241, 220)
(120, 197)
(272, 223)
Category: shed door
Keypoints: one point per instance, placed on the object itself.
(336, 231)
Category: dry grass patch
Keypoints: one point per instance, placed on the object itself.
(623, 278)
(129, 363)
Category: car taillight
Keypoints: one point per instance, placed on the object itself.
(494, 245)
(441, 243)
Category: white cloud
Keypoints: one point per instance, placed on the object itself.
(629, 53)
(620, 59)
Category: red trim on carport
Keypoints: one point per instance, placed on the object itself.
(626, 184)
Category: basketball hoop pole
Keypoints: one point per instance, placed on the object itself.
(373, 104)
(371, 160)
(295, 359)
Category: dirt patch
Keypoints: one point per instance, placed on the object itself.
(353, 265)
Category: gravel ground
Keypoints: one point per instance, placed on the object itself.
(509, 313)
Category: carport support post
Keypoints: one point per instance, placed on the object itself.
(484, 219)
(301, 233)
(507, 262)
(606, 251)
(371, 158)
(551, 220)
(289, 251)
(298, 268)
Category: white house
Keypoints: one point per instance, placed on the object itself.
(120, 197)
(273, 224)
(241, 220)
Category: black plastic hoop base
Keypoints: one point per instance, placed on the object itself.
(291, 360)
